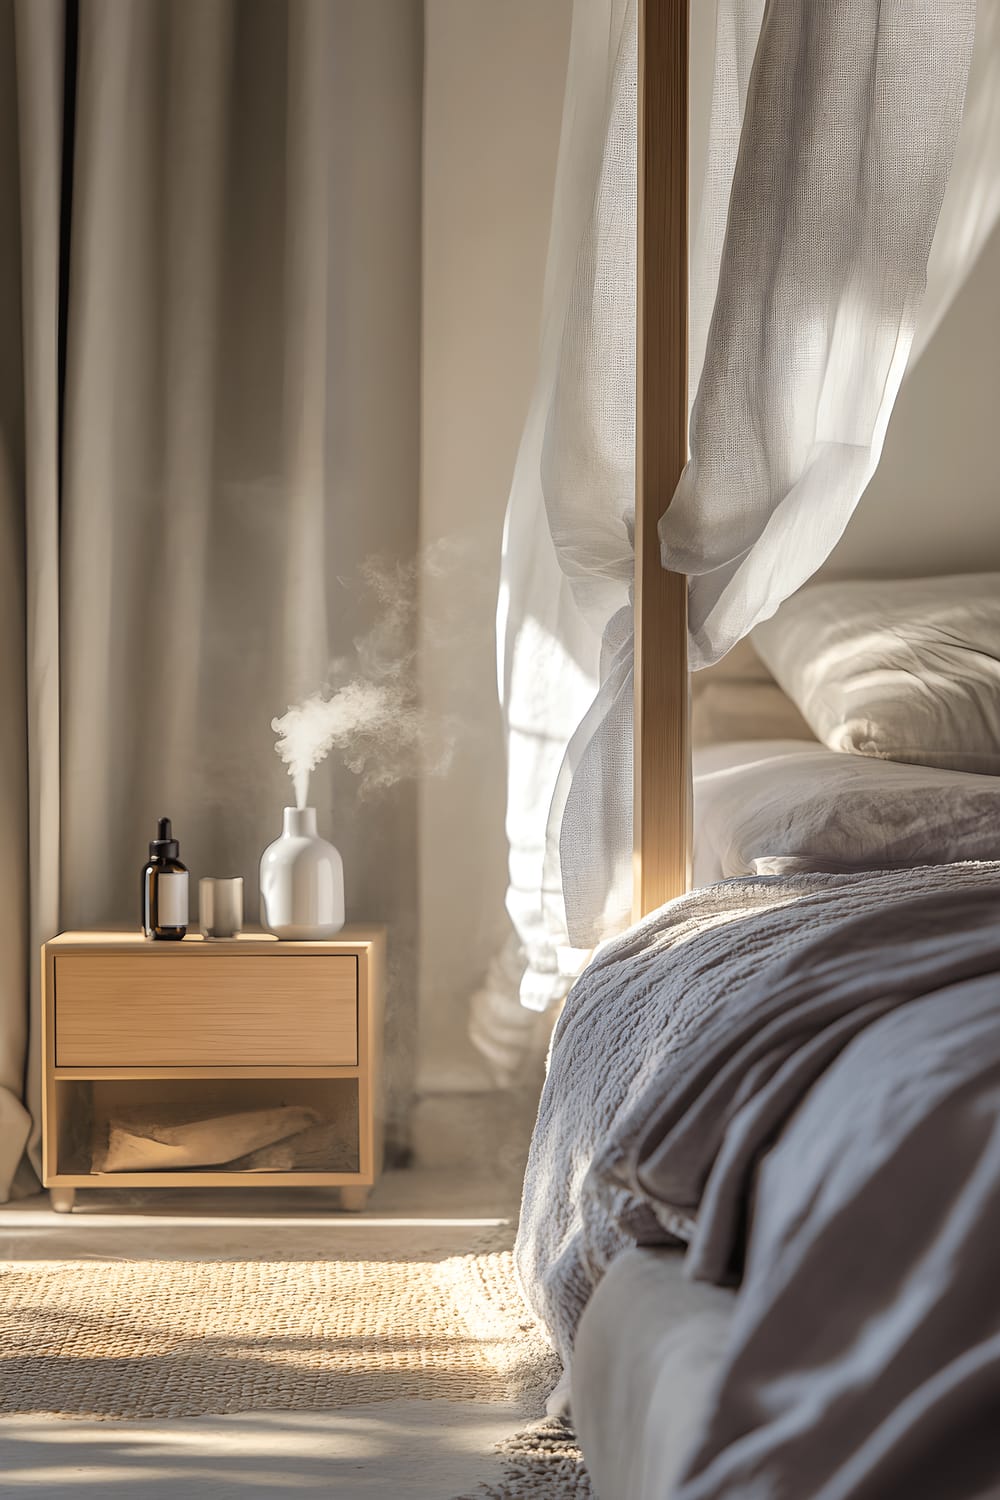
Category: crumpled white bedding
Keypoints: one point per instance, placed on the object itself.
(773, 807)
(906, 669)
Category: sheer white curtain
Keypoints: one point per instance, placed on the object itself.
(819, 212)
(833, 129)
(551, 615)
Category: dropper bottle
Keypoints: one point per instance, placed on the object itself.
(164, 887)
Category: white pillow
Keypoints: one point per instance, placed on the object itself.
(785, 806)
(907, 670)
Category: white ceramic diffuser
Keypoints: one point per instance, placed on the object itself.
(301, 881)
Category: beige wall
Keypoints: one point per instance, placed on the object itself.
(933, 505)
(493, 87)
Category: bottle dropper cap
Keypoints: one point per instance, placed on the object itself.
(164, 846)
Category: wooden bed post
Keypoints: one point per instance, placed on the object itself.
(662, 812)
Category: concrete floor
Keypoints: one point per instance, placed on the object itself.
(395, 1451)
(415, 1450)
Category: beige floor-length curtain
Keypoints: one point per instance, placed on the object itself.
(209, 322)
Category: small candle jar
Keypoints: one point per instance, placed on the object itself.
(220, 907)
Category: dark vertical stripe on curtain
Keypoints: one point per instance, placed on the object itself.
(66, 196)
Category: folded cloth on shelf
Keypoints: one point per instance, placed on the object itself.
(330, 1146)
(139, 1139)
(799, 1077)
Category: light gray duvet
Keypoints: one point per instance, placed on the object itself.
(800, 1077)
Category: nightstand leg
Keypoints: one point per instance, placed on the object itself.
(354, 1199)
(61, 1199)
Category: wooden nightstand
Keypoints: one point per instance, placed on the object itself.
(246, 1023)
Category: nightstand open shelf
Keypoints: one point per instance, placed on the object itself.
(198, 1029)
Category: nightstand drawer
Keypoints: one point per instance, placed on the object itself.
(191, 1010)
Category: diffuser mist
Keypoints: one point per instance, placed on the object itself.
(301, 881)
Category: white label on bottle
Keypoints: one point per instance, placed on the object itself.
(172, 900)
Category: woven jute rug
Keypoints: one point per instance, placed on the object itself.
(159, 1338)
(542, 1462)
(154, 1339)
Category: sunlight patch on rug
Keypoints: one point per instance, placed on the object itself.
(152, 1339)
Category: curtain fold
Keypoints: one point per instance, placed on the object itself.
(832, 133)
(32, 40)
(184, 523)
(551, 618)
(832, 165)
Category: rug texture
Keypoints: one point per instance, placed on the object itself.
(153, 1339)
(541, 1463)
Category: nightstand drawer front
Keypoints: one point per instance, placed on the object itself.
(154, 1010)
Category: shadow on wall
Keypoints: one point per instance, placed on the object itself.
(972, 202)
(932, 507)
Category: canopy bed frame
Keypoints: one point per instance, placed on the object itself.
(745, 1087)
(794, 326)
(662, 836)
